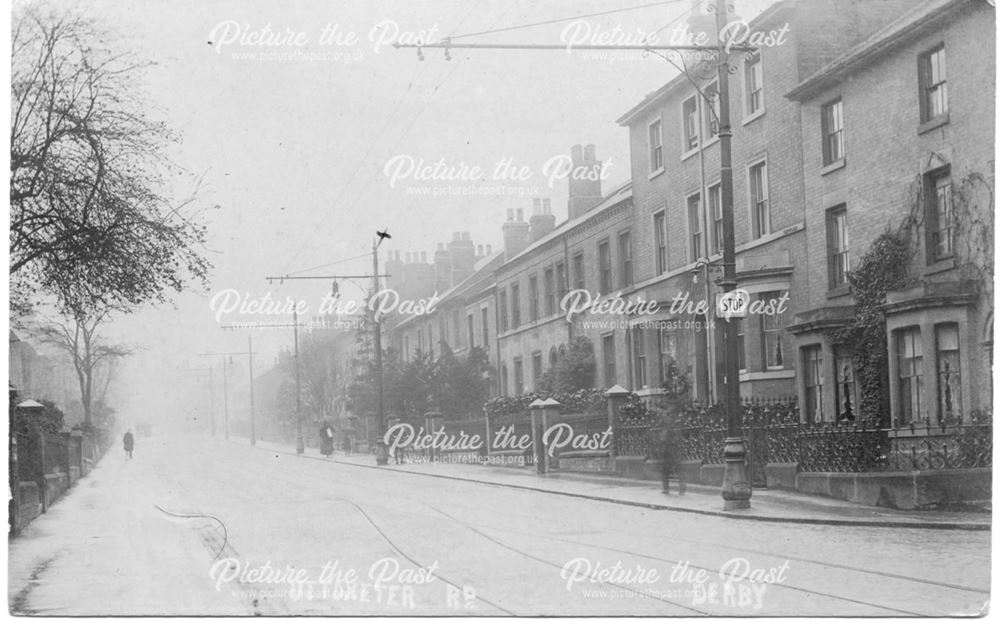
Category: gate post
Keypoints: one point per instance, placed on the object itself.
(539, 424)
(615, 396)
(432, 420)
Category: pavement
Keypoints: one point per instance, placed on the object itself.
(202, 526)
(766, 505)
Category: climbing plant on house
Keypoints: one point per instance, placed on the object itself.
(883, 268)
(886, 267)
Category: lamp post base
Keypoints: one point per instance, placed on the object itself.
(381, 453)
(300, 446)
(736, 489)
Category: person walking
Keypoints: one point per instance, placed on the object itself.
(668, 441)
(326, 439)
(129, 442)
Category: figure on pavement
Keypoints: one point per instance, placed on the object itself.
(129, 442)
(667, 439)
(326, 439)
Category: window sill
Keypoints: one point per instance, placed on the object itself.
(771, 374)
(687, 154)
(753, 117)
(838, 292)
(942, 265)
(934, 123)
(656, 173)
(832, 166)
(714, 139)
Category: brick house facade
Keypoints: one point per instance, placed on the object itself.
(675, 178)
(592, 252)
(890, 133)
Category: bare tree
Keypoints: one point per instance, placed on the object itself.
(89, 221)
(91, 356)
(321, 356)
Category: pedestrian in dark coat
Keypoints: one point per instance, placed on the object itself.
(326, 439)
(669, 452)
(129, 442)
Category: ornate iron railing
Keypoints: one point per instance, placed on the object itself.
(836, 448)
(939, 448)
(634, 435)
(859, 448)
(775, 435)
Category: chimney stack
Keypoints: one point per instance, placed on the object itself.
(442, 269)
(584, 180)
(516, 234)
(463, 257)
(394, 267)
(542, 222)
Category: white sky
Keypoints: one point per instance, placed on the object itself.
(292, 151)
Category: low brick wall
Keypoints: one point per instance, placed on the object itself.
(902, 490)
(582, 461)
(509, 459)
(638, 468)
(31, 503)
(898, 490)
(55, 485)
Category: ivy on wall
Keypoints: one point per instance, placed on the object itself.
(883, 268)
(886, 267)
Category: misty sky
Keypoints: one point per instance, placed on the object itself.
(292, 150)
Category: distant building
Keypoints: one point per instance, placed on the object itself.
(462, 316)
(591, 251)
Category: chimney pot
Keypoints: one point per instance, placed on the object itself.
(546, 205)
(536, 206)
(489, 248)
(589, 153)
(576, 153)
(456, 236)
(479, 250)
(423, 257)
(520, 215)
(510, 215)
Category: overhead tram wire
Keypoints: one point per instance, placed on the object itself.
(374, 141)
(564, 19)
(309, 269)
(446, 76)
(423, 108)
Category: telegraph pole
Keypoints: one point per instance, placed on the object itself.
(211, 397)
(253, 428)
(249, 354)
(225, 401)
(381, 451)
(300, 446)
(735, 487)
